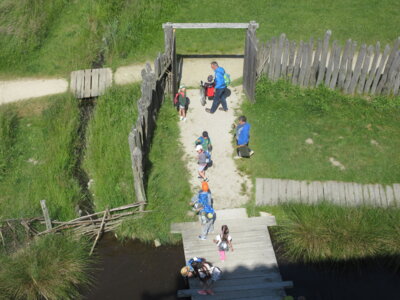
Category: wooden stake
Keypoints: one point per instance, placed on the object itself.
(99, 232)
(46, 214)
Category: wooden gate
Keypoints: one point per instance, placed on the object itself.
(250, 56)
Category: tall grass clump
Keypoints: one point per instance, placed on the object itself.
(38, 157)
(361, 134)
(326, 232)
(108, 160)
(168, 190)
(51, 267)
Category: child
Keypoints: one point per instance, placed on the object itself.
(224, 242)
(210, 87)
(202, 161)
(181, 101)
(205, 141)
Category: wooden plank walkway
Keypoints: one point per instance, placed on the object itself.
(250, 271)
(276, 191)
(90, 82)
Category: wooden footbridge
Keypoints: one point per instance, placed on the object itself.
(250, 271)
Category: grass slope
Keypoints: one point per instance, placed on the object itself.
(341, 127)
(168, 190)
(50, 267)
(326, 232)
(107, 160)
(37, 157)
(55, 37)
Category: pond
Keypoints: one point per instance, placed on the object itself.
(367, 279)
(134, 270)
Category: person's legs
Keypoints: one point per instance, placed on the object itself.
(221, 255)
(223, 99)
(217, 100)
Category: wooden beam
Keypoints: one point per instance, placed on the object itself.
(209, 25)
(46, 214)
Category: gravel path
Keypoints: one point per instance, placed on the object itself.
(227, 185)
(21, 89)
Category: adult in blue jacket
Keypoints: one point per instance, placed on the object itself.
(243, 136)
(220, 89)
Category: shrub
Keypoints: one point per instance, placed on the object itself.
(51, 267)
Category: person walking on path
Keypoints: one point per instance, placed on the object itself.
(181, 101)
(243, 138)
(205, 141)
(202, 198)
(224, 242)
(207, 219)
(220, 89)
(202, 161)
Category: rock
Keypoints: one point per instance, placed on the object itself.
(33, 161)
(90, 182)
(340, 138)
(369, 127)
(157, 243)
(336, 163)
(309, 141)
(373, 142)
(265, 214)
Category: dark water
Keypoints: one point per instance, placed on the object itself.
(368, 279)
(134, 270)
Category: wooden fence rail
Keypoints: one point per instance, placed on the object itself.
(350, 69)
(154, 85)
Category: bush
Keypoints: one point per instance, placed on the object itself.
(51, 267)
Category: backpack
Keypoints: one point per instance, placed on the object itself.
(216, 273)
(203, 199)
(227, 79)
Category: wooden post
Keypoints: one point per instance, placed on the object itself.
(137, 169)
(324, 55)
(250, 61)
(46, 214)
(100, 231)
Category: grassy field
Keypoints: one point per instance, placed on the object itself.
(108, 160)
(362, 135)
(55, 37)
(168, 191)
(37, 157)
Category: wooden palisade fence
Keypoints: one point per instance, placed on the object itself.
(353, 70)
(154, 85)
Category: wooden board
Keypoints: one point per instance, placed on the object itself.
(380, 69)
(373, 69)
(364, 70)
(357, 69)
(324, 56)
(208, 25)
(343, 63)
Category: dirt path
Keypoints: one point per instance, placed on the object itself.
(21, 89)
(229, 188)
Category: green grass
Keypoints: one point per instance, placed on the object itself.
(55, 37)
(108, 160)
(326, 232)
(51, 267)
(168, 191)
(342, 127)
(38, 139)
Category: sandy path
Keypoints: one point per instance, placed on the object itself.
(225, 183)
(21, 89)
(196, 69)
